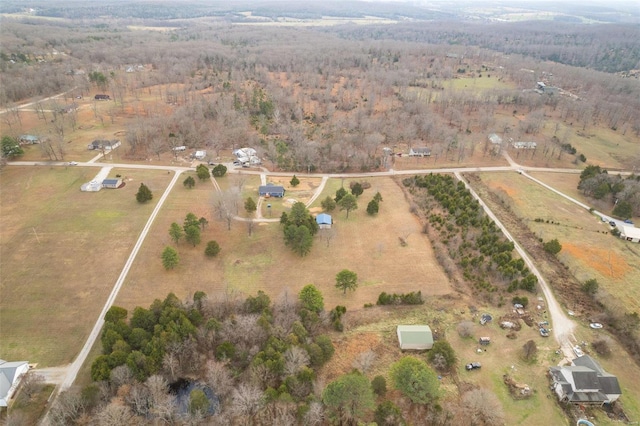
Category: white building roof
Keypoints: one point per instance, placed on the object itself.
(630, 231)
(10, 373)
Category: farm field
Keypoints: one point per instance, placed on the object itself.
(247, 264)
(588, 249)
(61, 251)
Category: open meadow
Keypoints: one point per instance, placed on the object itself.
(588, 249)
(366, 245)
(62, 250)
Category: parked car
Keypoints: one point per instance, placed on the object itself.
(544, 332)
(596, 325)
(473, 366)
(211, 163)
(72, 163)
(236, 163)
(577, 351)
(543, 323)
(612, 223)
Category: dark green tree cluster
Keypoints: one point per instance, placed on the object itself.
(623, 194)
(478, 245)
(552, 246)
(299, 227)
(141, 342)
(412, 298)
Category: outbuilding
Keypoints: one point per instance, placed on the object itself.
(420, 152)
(112, 183)
(415, 337)
(271, 191)
(324, 221)
(630, 233)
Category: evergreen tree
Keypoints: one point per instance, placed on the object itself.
(169, 258)
(294, 181)
(144, 194)
(189, 182)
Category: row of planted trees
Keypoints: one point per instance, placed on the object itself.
(473, 240)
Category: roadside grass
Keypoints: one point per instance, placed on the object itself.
(367, 245)
(589, 250)
(28, 412)
(61, 252)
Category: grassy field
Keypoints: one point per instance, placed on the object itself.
(587, 247)
(247, 264)
(61, 252)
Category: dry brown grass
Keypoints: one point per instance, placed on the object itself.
(62, 250)
(367, 245)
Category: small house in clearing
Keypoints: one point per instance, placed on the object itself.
(271, 191)
(420, 152)
(524, 145)
(495, 139)
(11, 374)
(29, 139)
(630, 233)
(324, 221)
(100, 144)
(415, 337)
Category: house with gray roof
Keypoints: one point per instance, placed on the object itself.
(271, 190)
(10, 375)
(584, 382)
(420, 152)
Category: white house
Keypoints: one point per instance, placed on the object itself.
(247, 156)
(630, 233)
(200, 155)
(10, 375)
(524, 145)
(495, 139)
(420, 152)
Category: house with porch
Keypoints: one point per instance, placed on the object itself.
(584, 382)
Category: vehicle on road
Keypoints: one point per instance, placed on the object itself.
(473, 366)
(72, 163)
(628, 221)
(612, 223)
(596, 325)
(211, 163)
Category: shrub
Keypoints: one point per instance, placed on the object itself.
(522, 300)
(413, 298)
(379, 385)
(552, 246)
(465, 329)
(602, 346)
(212, 249)
(444, 353)
(590, 286)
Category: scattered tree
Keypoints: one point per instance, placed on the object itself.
(590, 286)
(202, 171)
(176, 232)
(203, 222)
(529, 350)
(444, 354)
(328, 204)
(346, 280)
(552, 246)
(415, 380)
(482, 407)
(144, 194)
(388, 414)
(212, 249)
(219, 171)
(357, 189)
(348, 398)
(348, 203)
(379, 385)
(465, 329)
(250, 206)
(311, 298)
(341, 192)
(378, 197)
(294, 181)
(189, 182)
(169, 258)
(192, 234)
(372, 208)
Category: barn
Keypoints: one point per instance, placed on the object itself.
(415, 337)
(324, 221)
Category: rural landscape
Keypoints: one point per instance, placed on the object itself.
(336, 213)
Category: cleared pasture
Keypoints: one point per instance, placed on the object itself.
(367, 245)
(588, 249)
(61, 252)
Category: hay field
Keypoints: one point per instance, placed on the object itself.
(587, 247)
(367, 245)
(61, 252)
